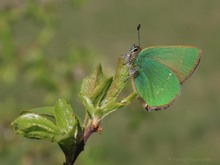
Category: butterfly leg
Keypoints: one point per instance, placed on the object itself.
(131, 73)
(126, 79)
(134, 70)
(126, 58)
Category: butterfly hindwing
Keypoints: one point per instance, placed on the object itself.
(156, 84)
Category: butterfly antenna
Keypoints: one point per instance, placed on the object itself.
(138, 32)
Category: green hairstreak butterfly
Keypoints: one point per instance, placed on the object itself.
(158, 72)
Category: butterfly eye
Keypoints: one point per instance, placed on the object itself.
(135, 48)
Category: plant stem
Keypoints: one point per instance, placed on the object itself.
(70, 160)
(79, 149)
(88, 132)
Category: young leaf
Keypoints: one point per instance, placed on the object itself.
(49, 111)
(112, 106)
(103, 98)
(119, 81)
(90, 83)
(36, 126)
(64, 116)
(70, 142)
(129, 99)
(88, 105)
(100, 91)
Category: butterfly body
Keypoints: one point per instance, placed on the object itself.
(157, 72)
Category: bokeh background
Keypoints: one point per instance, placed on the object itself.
(47, 47)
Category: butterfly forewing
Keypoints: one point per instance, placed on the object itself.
(182, 60)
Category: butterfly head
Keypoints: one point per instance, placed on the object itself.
(135, 49)
(134, 52)
(130, 57)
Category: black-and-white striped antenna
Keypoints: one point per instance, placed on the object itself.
(138, 33)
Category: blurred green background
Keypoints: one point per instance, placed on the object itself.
(47, 47)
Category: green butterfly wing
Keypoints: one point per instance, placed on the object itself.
(182, 60)
(161, 70)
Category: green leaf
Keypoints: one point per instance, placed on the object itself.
(79, 129)
(64, 116)
(101, 99)
(93, 91)
(112, 106)
(98, 115)
(100, 92)
(88, 105)
(36, 126)
(49, 111)
(119, 81)
(68, 143)
(129, 99)
(90, 83)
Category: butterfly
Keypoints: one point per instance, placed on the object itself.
(157, 72)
